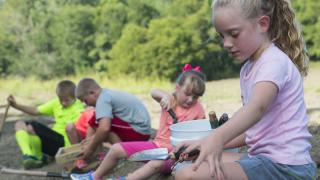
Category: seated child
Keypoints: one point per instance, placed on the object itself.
(82, 128)
(37, 140)
(184, 101)
(120, 116)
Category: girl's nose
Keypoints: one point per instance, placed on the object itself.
(190, 99)
(227, 44)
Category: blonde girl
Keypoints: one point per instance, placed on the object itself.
(272, 121)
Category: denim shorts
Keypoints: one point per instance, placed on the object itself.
(262, 168)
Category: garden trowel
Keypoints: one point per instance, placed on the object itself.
(160, 154)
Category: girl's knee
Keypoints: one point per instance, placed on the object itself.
(183, 174)
(117, 151)
(156, 165)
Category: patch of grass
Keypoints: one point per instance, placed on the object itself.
(33, 91)
(314, 64)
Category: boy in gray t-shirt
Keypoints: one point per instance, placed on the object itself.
(120, 116)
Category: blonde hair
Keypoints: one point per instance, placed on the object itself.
(194, 81)
(284, 29)
(84, 87)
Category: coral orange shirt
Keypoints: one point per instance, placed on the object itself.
(83, 121)
(162, 138)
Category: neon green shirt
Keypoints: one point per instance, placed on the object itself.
(62, 116)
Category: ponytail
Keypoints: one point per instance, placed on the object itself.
(284, 31)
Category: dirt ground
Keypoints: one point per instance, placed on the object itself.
(10, 157)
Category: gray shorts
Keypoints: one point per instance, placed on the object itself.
(262, 168)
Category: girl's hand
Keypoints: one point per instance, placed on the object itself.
(166, 102)
(183, 155)
(211, 148)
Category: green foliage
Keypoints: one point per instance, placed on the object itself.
(162, 49)
(49, 39)
(307, 13)
(141, 13)
(184, 8)
(72, 32)
(110, 19)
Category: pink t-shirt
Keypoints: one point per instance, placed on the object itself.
(282, 134)
(162, 138)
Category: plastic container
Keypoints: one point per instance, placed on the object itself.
(189, 130)
(192, 130)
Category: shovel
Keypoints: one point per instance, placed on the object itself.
(160, 154)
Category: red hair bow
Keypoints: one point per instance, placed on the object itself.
(188, 67)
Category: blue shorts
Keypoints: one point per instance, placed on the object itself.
(262, 168)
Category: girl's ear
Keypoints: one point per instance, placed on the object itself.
(264, 23)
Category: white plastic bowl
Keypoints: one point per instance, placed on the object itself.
(192, 130)
(189, 130)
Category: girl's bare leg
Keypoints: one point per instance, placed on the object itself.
(147, 170)
(232, 169)
(115, 153)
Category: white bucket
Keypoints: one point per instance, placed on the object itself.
(191, 130)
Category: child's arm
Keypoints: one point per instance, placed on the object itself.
(239, 141)
(27, 109)
(262, 97)
(163, 98)
(100, 135)
(90, 132)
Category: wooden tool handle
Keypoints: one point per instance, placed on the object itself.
(23, 172)
(2, 121)
(34, 173)
(173, 115)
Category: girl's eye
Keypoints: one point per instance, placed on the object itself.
(187, 94)
(234, 34)
(195, 97)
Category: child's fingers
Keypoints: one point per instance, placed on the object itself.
(219, 170)
(212, 168)
(199, 160)
(179, 146)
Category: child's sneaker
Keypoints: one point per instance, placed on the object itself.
(119, 178)
(46, 159)
(31, 162)
(87, 176)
